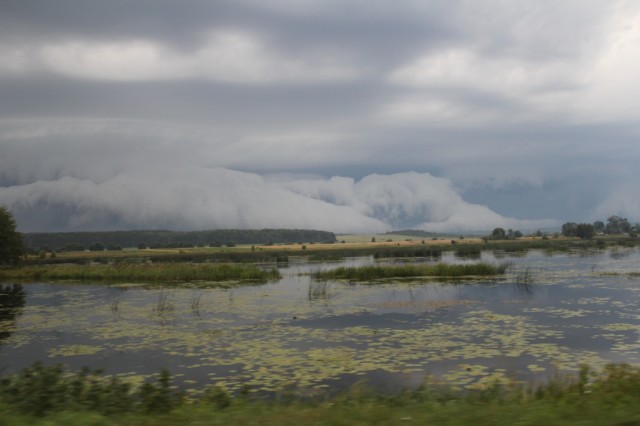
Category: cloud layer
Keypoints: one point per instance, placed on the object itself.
(525, 110)
(201, 198)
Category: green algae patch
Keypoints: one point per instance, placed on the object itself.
(74, 350)
(148, 272)
(440, 270)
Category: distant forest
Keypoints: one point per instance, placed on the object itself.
(73, 241)
(416, 233)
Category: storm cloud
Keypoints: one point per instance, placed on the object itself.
(345, 116)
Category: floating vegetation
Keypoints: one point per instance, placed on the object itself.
(147, 272)
(440, 270)
(627, 274)
(560, 312)
(74, 350)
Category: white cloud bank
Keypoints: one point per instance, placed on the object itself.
(205, 198)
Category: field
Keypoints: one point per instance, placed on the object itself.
(348, 243)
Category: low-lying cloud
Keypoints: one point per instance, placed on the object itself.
(205, 198)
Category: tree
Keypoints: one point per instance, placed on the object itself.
(585, 231)
(73, 247)
(598, 225)
(96, 247)
(498, 234)
(617, 225)
(570, 229)
(12, 246)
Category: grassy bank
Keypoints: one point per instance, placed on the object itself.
(146, 272)
(440, 270)
(468, 247)
(46, 395)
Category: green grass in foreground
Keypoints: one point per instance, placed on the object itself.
(142, 272)
(440, 270)
(47, 396)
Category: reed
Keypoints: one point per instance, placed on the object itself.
(149, 272)
(318, 290)
(441, 270)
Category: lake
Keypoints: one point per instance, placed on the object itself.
(548, 315)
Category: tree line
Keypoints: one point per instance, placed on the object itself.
(615, 225)
(14, 245)
(97, 241)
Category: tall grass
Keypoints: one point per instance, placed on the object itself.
(47, 395)
(151, 272)
(443, 270)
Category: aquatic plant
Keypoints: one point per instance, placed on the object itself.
(468, 251)
(442, 270)
(146, 272)
(318, 290)
(163, 304)
(526, 275)
(195, 303)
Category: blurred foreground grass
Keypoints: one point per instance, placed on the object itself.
(47, 396)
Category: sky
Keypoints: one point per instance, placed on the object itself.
(350, 116)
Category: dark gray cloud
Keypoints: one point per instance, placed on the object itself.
(526, 109)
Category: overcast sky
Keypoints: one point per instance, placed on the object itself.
(349, 116)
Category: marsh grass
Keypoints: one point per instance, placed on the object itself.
(524, 279)
(525, 276)
(163, 305)
(440, 270)
(145, 272)
(319, 290)
(115, 306)
(195, 304)
(468, 251)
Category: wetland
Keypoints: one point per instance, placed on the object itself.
(548, 314)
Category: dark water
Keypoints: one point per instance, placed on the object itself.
(548, 315)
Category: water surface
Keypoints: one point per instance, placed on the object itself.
(550, 314)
